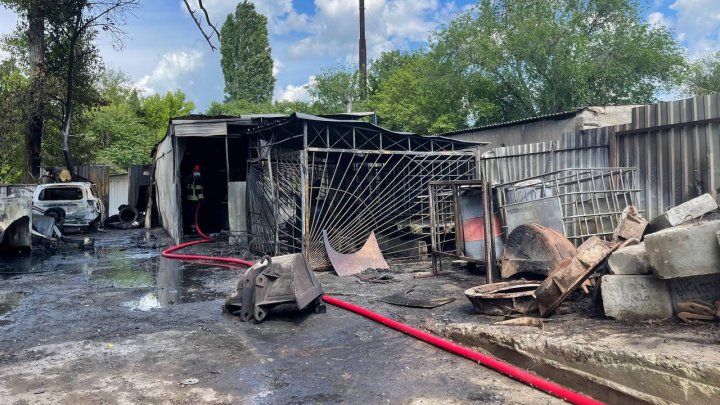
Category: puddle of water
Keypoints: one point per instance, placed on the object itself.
(163, 298)
(175, 282)
(8, 302)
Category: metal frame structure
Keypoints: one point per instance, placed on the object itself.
(446, 231)
(308, 175)
(591, 200)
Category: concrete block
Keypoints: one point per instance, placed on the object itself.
(685, 250)
(636, 297)
(684, 212)
(704, 288)
(630, 260)
(630, 226)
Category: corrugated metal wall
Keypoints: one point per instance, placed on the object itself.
(139, 176)
(675, 146)
(119, 186)
(100, 175)
(581, 149)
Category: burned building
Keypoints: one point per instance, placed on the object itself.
(278, 182)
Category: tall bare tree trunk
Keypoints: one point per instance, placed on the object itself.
(36, 102)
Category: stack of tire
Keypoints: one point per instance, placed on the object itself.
(126, 218)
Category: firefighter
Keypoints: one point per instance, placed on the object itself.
(193, 197)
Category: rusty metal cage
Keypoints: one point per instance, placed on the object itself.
(347, 180)
(589, 201)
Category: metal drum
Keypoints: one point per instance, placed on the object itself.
(473, 220)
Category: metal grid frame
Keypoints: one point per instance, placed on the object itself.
(349, 181)
(591, 200)
(446, 231)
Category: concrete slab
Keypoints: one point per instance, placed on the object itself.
(704, 288)
(684, 212)
(636, 298)
(685, 250)
(630, 260)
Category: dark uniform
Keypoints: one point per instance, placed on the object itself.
(193, 198)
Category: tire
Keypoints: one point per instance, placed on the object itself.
(128, 214)
(58, 214)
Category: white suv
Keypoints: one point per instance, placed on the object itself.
(75, 204)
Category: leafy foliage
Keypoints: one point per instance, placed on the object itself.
(13, 90)
(242, 107)
(704, 76)
(550, 56)
(246, 56)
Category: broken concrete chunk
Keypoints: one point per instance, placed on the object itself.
(636, 297)
(631, 225)
(630, 260)
(684, 212)
(685, 250)
(699, 288)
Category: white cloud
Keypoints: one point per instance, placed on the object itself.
(698, 23)
(297, 93)
(282, 17)
(389, 24)
(658, 19)
(172, 67)
(277, 67)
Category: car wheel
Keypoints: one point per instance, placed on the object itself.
(58, 214)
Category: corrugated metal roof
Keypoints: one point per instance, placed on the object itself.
(202, 125)
(553, 116)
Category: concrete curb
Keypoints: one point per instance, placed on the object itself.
(610, 374)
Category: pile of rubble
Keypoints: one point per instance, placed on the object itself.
(648, 271)
(676, 270)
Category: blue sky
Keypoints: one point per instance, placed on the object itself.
(164, 51)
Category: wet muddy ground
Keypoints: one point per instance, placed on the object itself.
(119, 324)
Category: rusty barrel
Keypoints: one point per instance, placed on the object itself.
(473, 221)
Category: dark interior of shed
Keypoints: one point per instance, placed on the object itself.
(210, 154)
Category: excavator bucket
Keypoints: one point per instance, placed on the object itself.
(274, 281)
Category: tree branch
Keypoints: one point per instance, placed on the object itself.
(199, 24)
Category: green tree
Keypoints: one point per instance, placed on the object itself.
(13, 90)
(242, 107)
(246, 58)
(157, 110)
(704, 76)
(334, 89)
(55, 40)
(426, 95)
(550, 56)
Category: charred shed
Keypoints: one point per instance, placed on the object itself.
(278, 182)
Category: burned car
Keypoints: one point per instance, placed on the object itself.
(73, 205)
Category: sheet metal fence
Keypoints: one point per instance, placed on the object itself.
(581, 149)
(675, 146)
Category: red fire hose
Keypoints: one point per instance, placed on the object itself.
(497, 365)
(205, 239)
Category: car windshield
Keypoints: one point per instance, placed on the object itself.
(61, 194)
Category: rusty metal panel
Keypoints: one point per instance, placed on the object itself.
(138, 177)
(368, 257)
(581, 149)
(569, 274)
(100, 175)
(675, 146)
